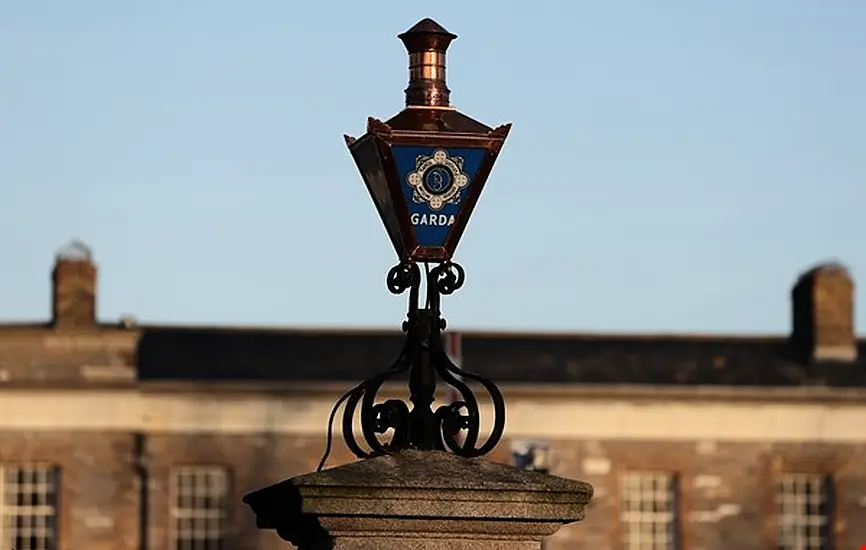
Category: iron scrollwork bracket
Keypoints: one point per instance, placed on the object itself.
(454, 426)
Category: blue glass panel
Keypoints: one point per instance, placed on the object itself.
(435, 182)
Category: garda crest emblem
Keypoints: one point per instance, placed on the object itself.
(437, 179)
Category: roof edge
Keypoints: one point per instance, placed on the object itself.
(511, 390)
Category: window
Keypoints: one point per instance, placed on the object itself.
(28, 505)
(199, 508)
(803, 507)
(649, 511)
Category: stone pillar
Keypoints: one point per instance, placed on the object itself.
(420, 500)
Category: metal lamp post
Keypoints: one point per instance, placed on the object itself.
(425, 169)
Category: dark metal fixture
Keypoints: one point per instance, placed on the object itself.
(425, 169)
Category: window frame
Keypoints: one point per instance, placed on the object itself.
(623, 508)
(225, 517)
(50, 511)
(827, 486)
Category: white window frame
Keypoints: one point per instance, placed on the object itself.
(220, 516)
(804, 511)
(649, 510)
(44, 480)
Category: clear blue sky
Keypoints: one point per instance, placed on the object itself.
(673, 166)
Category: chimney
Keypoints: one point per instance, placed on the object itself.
(74, 287)
(823, 308)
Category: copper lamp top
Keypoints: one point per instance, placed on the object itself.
(427, 43)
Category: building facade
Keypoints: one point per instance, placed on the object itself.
(115, 436)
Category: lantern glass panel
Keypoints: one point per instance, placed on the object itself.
(436, 182)
(368, 159)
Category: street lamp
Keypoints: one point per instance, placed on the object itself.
(425, 169)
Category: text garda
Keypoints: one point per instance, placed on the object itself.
(437, 220)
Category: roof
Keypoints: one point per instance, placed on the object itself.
(172, 353)
(39, 353)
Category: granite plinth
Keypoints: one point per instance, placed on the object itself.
(424, 500)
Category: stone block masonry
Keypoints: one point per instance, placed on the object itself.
(725, 490)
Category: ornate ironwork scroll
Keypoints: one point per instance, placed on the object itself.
(455, 426)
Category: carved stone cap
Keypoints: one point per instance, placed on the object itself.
(431, 495)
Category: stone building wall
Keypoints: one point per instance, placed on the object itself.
(85, 396)
(726, 489)
(100, 497)
(97, 497)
